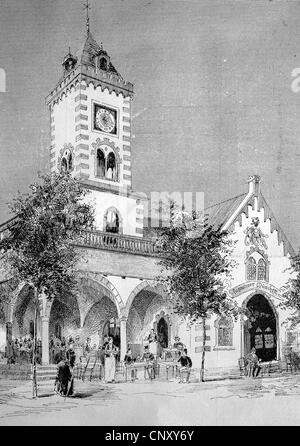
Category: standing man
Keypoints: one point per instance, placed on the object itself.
(63, 377)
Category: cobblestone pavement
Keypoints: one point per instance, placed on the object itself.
(268, 401)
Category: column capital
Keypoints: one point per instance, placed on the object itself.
(45, 318)
(123, 319)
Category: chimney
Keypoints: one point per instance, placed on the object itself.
(254, 184)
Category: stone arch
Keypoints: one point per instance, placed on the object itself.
(23, 309)
(65, 313)
(96, 279)
(147, 305)
(145, 284)
(15, 299)
(269, 300)
(267, 296)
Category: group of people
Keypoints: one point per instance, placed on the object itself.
(150, 359)
(22, 350)
(70, 353)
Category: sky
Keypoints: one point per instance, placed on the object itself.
(213, 99)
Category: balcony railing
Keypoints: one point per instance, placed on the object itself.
(105, 240)
(117, 242)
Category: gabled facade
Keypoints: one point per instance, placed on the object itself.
(262, 254)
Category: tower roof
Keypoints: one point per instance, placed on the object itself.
(90, 50)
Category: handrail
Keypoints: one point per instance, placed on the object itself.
(106, 240)
(118, 242)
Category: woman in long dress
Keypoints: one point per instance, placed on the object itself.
(110, 361)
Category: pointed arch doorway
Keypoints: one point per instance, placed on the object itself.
(260, 328)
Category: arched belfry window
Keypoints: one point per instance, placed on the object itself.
(100, 164)
(111, 166)
(106, 164)
(224, 332)
(112, 221)
(257, 266)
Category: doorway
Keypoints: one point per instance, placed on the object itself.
(260, 329)
(163, 333)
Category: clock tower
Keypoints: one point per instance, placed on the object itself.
(90, 118)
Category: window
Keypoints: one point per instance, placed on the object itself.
(261, 270)
(67, 161)
(224, 328)
(103, 64)
(106, 165)
(100, 164)
(251, 269)
(31, 329)
(112, 221)
(64, 165)
(256, 267)
(111, 166)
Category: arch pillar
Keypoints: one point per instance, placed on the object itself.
(9, 349)
(123, 337)
(45, 340)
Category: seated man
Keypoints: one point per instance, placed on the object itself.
(148, 358)
(185, 365)
(253, 366)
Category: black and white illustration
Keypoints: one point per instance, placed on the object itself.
(149, 212)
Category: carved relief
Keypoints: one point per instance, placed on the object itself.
(254, 236)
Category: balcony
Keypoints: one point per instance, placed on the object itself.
(117, 242)
(105, 240)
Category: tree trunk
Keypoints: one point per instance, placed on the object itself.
(203, 350)
(34, 380)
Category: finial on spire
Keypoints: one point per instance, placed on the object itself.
(87, 8)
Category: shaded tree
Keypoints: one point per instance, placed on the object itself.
(291, 292)
(39, 247)
(195, 261)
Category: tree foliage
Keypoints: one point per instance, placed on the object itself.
(291, 293)
(39, 246)
(195, 262)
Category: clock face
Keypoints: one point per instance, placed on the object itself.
(105, 119)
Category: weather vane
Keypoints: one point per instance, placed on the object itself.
(87, 8)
